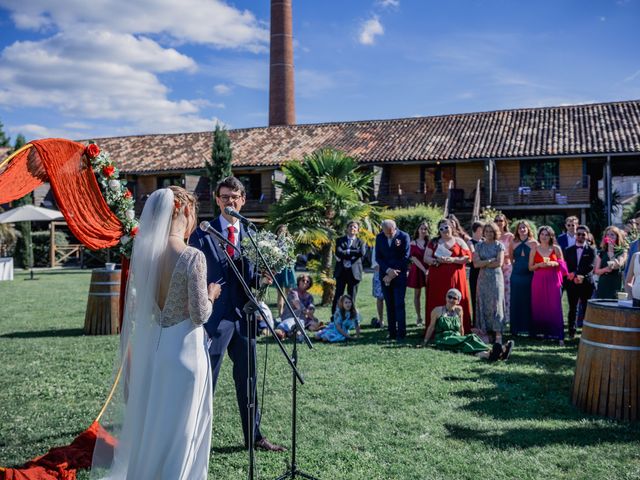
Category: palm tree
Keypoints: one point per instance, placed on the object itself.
(319, 196)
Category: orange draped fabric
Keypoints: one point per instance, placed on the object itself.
(61, 463)
(75, 188)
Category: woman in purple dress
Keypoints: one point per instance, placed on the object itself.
(548, 267)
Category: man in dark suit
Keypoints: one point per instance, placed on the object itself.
(568, 238)
(580, 260)
(348, 272)
(227, 326)
(392, 255)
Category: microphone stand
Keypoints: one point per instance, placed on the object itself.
(250, 308)
(292, 471)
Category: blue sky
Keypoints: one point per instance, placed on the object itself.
(82, 69)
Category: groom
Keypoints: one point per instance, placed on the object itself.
(227, 326)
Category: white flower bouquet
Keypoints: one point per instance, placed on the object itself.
(278, 250)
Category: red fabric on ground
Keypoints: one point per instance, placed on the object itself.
(74, 185)
(61, 463)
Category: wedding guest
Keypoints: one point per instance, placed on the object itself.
(568, 238)
(303, 307)
(392, 255)
(446, 323)
(476, 237)
(417, 279)
(348, 271)
(632, 281)
(610, 263)
(457, 227)
(488, 258)
(447, 257)
(505, 239)
(548, 267)
(376, 292)
(521, 277)
(286, 278)
(345, 319)
(635, 243)
(578, 283)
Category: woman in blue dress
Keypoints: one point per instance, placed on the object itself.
(521, 277)
(345, 319)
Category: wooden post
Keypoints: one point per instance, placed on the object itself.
(52, 244)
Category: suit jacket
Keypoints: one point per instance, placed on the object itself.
(353, 255)
(232, 296)
(563, 241)
(395, 256)
(586, 265)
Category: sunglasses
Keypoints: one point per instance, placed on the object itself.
(444, 228)
(452, 297)
(581, 234)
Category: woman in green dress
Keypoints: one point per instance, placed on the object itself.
(446, 321)
(610, 263)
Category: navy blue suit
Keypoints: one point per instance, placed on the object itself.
(395, 257)
(227, 326)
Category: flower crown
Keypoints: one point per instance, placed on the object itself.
(116, 194)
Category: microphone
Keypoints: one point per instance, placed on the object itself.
(244, 220)
(206, 227)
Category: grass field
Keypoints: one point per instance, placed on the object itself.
(369, 409)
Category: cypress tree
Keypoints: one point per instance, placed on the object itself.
(220, 165)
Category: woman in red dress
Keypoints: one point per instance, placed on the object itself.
(447, 257)
(418, 270)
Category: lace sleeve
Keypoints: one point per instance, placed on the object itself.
(199, 305)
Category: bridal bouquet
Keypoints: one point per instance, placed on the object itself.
(278, 250)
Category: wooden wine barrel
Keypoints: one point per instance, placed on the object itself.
(102, 315)
(607, 379)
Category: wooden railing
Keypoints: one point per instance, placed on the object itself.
(412, 193)
(576, 193)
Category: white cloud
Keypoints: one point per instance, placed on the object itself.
(211, 22)
(369, 29)
(94, 67)
(222, 89)
(388, 3)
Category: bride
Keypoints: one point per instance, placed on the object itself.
(160, 415)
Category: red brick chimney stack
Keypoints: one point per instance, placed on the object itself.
(282, 108)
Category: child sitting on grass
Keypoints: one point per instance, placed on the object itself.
(345, 319)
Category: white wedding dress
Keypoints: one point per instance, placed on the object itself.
(166, 433)
(158, 413)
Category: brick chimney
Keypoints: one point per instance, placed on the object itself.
(282, 108)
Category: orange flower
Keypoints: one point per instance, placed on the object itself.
(134, 231)
(92, 150)
(127, 193)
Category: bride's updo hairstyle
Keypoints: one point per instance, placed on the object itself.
(182, 198)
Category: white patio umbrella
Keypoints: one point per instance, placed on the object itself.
(30, 213)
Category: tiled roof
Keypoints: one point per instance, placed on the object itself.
(533, 132)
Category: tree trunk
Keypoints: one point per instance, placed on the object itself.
(328, 282)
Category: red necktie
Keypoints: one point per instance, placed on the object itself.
(232, 239)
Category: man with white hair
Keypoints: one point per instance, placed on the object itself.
(392, 255)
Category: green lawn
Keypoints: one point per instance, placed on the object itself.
(369, 410)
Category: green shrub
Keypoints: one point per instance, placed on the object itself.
(409, 218)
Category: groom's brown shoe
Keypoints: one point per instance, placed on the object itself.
(264, 444)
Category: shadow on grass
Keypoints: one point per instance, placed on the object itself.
(542, 437)
(228, 450)
(64, 332)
